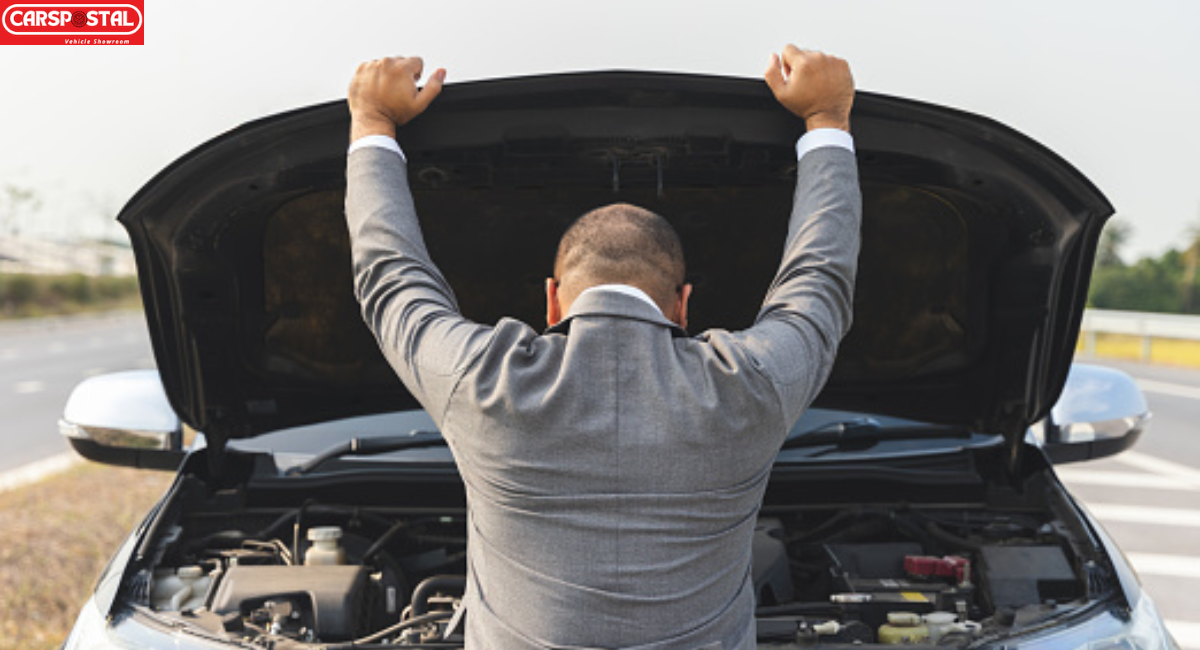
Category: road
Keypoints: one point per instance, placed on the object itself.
(1147, 498)
(42, 360)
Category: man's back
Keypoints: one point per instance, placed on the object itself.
(612, 470)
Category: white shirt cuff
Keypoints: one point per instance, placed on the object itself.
(818, 138)
(381, 141)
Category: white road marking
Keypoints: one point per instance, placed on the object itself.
(57, 348)
(37, 470)
(1186, 633)
(1177, 471)
(1166, 388)
(29, 387)
(1140, 480)
(1110, 512)
(1162, 564)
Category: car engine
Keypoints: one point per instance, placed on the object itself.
(346, 575)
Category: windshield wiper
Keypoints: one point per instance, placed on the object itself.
(370, 447)
(865, 432)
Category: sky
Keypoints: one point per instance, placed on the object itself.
(1113, 87)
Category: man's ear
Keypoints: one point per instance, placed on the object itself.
(553, 308)
(681, 307)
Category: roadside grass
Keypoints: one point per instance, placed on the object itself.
(58, 535)
(1174, 352)
(24, 295)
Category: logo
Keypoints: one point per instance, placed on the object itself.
(46, 23)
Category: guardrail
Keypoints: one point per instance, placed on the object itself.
(1144, 325)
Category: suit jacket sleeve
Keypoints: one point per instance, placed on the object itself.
(405, 301)
(808, 307)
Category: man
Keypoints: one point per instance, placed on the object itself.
(613, 466)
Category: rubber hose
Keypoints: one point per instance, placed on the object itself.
(420, 596)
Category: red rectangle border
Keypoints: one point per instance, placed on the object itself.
(72, 24)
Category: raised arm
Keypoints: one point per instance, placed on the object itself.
(406, 302)
(808, 307)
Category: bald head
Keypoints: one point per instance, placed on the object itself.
(625, 244)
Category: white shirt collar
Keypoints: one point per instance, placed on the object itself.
(626, 289)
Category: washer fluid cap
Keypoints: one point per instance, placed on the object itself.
(324, 533)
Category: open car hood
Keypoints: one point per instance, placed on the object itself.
(977, 242)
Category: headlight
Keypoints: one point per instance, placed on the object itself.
(93, 631)
(1143, 630)
(90, 631)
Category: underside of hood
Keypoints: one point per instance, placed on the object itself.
(977, 242)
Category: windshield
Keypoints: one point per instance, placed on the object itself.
(819, 435)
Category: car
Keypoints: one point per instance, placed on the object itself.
(916, 502)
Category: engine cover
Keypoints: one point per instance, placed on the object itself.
(334, 597)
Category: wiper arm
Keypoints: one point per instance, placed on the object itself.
(865, 432)
(370, 447)
(842, 432)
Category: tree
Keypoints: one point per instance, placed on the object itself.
(1150, 284)
(1166, 284)
(1188, 297)
(1112, 239)
(13, 203)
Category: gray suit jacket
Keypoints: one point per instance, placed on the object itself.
(613, 466)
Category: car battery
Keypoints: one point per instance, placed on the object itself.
(875, 560)
(873, 608)
(871, 579)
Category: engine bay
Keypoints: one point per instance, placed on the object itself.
(325, 574)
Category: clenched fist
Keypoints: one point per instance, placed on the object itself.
(383, 95)
(815, 86)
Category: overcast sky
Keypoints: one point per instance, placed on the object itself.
(1114, 87)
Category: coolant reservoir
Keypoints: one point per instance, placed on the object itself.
(939, 623)
(326, 546)
(903, 628)
(183, 590)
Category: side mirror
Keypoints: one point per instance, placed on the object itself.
(1101, 412)
(124, 418)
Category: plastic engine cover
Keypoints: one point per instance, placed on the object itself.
(1028, 575)
(335, 595)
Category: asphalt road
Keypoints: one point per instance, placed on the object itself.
(42, 360)
(1148, 498)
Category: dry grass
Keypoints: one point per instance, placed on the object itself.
(58, 535)
(24, 295)
(1175, 352)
